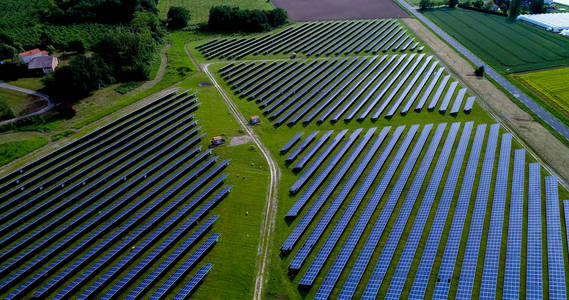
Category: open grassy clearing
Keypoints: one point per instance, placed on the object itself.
(16, 103)
(13, 148)
(550, 85)
(505, 45)
(200, 8)
(31, 83)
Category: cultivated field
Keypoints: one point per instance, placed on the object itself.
(301, 10)
(200, 8)
(508, 47)
(408, 198)
(551, 86)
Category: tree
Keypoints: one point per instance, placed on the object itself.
(515, 8)
(76, 46)
(478, 3)
(7, 51)
(479, 71)
(452, 3)
(178, 17)
(425, 4)
(536, 6)
(277, 17)
(226, 18)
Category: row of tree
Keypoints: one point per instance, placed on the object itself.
(513, 7)
(231, 19)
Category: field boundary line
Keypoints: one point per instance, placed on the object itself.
(270, 210)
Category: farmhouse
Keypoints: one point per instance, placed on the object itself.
(27, 56)
(550, 22)
(43, 64)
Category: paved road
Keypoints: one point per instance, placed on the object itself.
(270, 213)
(507, 85)
(49, 106)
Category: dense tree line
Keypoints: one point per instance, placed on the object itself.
(229, 19)
(100, 11)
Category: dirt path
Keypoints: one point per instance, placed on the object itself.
(194, 61)
(268, 225)
(533, 135)
(49, 106)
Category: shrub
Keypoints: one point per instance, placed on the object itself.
(452, 3)
(479, 71)
(178, 17)
(425, 4)
(478, 3)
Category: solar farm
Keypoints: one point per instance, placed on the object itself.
(122, 212)
(396, 182)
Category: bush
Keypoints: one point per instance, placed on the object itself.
(452, 3)
(76, 46)
(479, 71)
(478, 3)
(229, 19)
(178, 17)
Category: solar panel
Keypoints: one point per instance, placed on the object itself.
(185, 267)
(408, 253)
(291, 142)
(448, 96)
(390, 246)
(408, 88)
(299, 183)
(438, 93)
(312, 151)
(555, 261)
(292, 156)
(189, 288)
(429, 89)
(316, 266)
(350, 244)
(469, 103)
(511, 288)
(165, 265)
(444, 278)
(494, 243)
(315, 208)
(318, 181)
(534, 281)
(469, 263)
(430, 251)
(419, 88)
(83, 230)
(373, 238)
(458, 101)
(318, 230)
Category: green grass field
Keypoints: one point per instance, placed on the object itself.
(200, 8)
(505, 45)
(550, 85)
(15, 103)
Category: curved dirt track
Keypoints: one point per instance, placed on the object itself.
(263, 250)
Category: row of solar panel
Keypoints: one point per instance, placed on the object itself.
(157, 171)
(348, 88)
(435, 241)
(319, 38)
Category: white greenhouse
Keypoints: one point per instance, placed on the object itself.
(549, 22)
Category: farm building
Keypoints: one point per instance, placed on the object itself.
(550, 22)
(43, 64)
(254, 120)
(27, 56)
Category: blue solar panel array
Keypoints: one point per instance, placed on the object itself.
(131, 184)
(369, 248)
(192, 284)
(555, 262)
(446, 269)
(511, 288)
(291, 142)
(186, 267)
(384, 260)
(400, 276)
(317, 264)
(470, 260)
(534, 278)
(292, 155)
(350, 244)
(315, 208)
(430, 251)
(494, 243)
(301, 255)
(294, 210)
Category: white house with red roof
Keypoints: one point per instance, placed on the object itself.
(27, 56)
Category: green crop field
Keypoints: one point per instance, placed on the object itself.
(507, 46)
(550, 85)
(200, 8)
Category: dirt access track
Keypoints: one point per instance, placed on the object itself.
(537, 138)
(314, 10)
